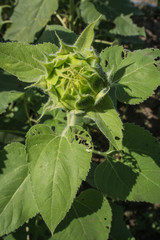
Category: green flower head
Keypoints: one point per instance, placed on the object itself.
(75, 79)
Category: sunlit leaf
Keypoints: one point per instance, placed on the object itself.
(58, 164)
(124, 26)
(28, 18)
(134, 75)
(108, 121)
(16, 200)
(22, 60)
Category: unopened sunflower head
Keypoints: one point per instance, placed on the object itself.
(75, 79)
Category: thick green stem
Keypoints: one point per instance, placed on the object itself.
(73, 119)
(103, 154)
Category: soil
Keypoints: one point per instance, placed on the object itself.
(150, 2)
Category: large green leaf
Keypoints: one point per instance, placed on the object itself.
(135, 175)
(58, 164)
(89, 12)
(113, 8)
(134, 75)
(125, 26)
(89, 218)
(28, 18)
(108, 121)
(16, 200)
(85, 40)
(23, 60)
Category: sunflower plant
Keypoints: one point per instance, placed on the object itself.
(71, 90)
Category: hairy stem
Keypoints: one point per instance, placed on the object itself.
(73, 118)
(61, 20)
(103, 154)
(103, 41)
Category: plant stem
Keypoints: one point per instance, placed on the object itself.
(71, 19)
(61, 20)
(26, 110)
(13, 131)
(73, 119)
(103, 41)
(103, 154)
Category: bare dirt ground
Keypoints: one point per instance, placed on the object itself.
(154, 2)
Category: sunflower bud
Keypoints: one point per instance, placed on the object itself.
(76, 80)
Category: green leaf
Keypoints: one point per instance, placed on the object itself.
(90, 176)
(6, 98)
(16, 201)
(10, 83)
(108, 121)
(119, 229)
(89, 218)
(115, 179)
(85, 40)
(134, 75)
(57, 120)
(28, 18)
(89, 12)
(125, 26)
(58, 164)
(49, 35)
(23, 60)
(111, 58)
(134, 175)
(113, 8)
